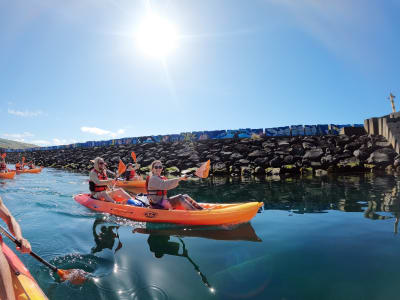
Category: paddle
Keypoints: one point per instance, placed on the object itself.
(203, 170)
(4, 155)
(121, 169)
(75, 276)
(133, 156)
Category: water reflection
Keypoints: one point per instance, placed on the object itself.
(105, 236)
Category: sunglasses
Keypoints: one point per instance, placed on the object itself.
(158, 167)
(101, 163)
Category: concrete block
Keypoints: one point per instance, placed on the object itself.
(366, 125)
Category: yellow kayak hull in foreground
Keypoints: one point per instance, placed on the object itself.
(25, 286)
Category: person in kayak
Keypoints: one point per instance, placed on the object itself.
(3, 166)
(130, 173)
(31, 165)
(6, 286)
(19, 166)
(157, 187)
(99, 182)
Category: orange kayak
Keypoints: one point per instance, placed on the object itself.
(25, 286)
(212, 214)
(8, 175)
(36, 170)
(131, 184)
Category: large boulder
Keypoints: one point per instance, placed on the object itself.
(382, 157)
(313, 154)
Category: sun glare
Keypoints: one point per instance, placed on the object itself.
(157, 37)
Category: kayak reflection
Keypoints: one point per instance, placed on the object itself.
(241, 232)
(105, 236)
(161, 245)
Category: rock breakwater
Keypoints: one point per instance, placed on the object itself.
(265, 156)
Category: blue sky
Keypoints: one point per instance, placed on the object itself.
(74, 71)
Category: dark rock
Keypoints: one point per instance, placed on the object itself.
(276, 162)
(256, 154)
(382, 157)
(219, 168)
(313, 155)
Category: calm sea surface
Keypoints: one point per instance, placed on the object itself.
(318, 238)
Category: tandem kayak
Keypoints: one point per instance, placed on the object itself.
(8, 175)
(25, 286)
(212, 214)
(36, 170)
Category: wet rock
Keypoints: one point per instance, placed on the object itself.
(276, 162)
(219, 168)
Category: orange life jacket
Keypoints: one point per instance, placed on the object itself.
(98, 188)
(155, 192)
(18, 166)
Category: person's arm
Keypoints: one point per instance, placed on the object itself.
(14, 227)
(93, 177)
(156, 183)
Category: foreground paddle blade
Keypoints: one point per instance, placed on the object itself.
(203, 170)
(133, 156)
(75, 276)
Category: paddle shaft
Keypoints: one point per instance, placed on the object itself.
(18, 243)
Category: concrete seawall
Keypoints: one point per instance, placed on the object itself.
(387, 126)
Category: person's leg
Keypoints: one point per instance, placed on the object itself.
(179, 202)
(104, 196)
(6, 287)
(192, 201)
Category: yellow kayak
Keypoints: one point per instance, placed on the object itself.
(25, 286)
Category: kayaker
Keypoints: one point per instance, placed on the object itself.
(6, 286)
(3, 166)
(130, 173)
(19, 166)
(157, 187)
(31, 165)
(99, 182)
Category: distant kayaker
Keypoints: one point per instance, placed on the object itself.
(157, 187)
(130, 173)
(6, 285)
(99, 182)
(31, 165)
(19, 166)
(3, 166)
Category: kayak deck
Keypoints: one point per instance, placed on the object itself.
(212, 214)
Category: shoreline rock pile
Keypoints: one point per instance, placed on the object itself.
(259, 156)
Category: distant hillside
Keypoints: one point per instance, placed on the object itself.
(7, 144)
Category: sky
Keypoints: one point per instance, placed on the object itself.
(83, 70)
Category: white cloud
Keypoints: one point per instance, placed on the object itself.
(25, 113)
(98, 131)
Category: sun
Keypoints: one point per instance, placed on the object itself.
(157, 37)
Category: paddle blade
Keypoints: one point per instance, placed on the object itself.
(121, 167)
(4, 155)
(75, 276)
(133, 156)
(203, 170)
